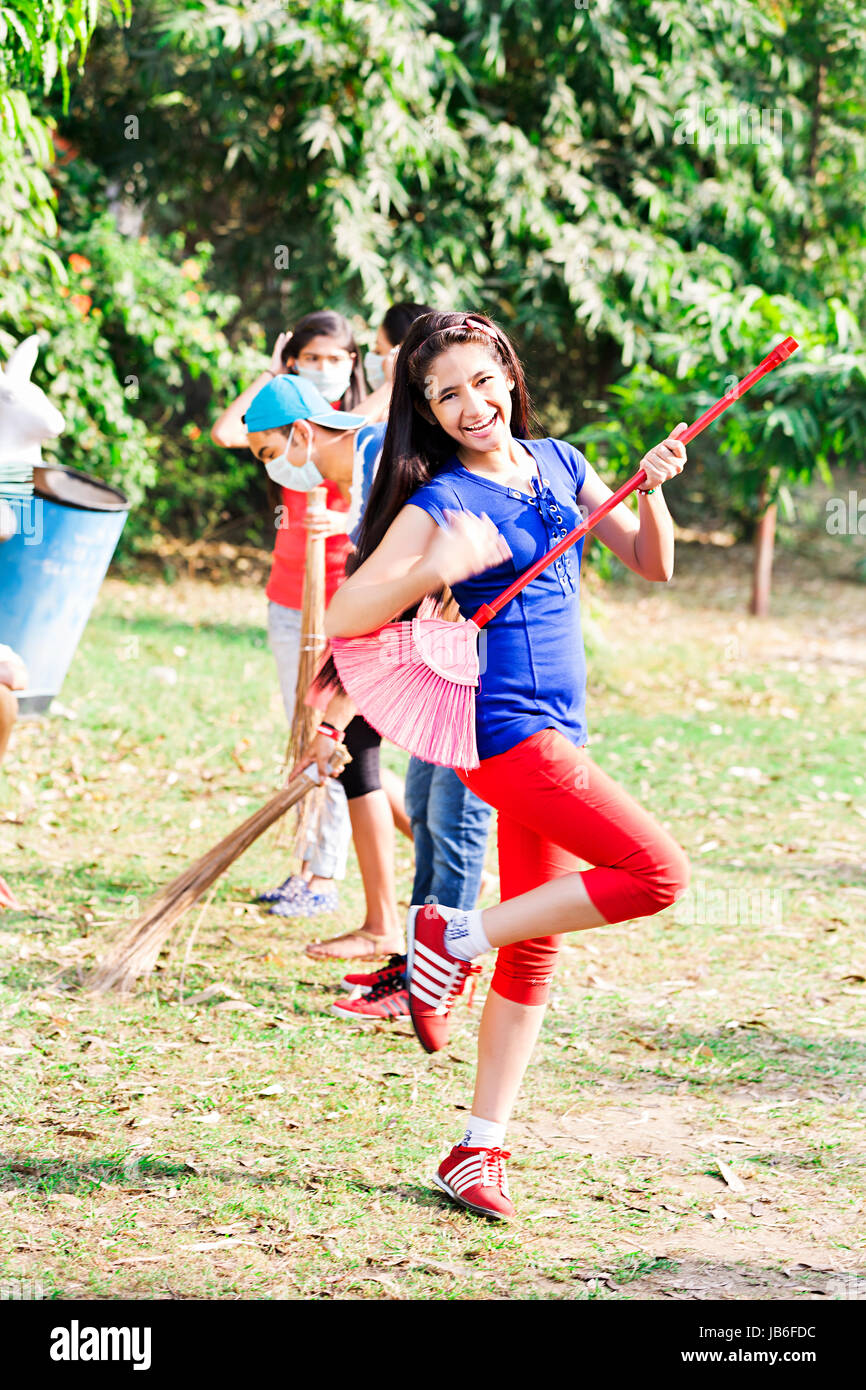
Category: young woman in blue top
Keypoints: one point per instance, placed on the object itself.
(465, 498)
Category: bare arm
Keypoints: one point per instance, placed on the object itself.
(416, 557)
(229, 430)
(375, 406)
(644, 541)
(393, 578)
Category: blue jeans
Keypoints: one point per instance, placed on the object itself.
(449, 827)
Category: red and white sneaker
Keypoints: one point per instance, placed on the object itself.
(434, 977)
(394, 970)
(388, 999)
(476, 1178)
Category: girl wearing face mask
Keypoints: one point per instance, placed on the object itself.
(465, 497)
(322, 350)
(379, 361)
(303, 442)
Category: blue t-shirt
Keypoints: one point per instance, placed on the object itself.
(533, 668)
(368, 451)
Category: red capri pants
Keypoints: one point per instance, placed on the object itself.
(557, 807)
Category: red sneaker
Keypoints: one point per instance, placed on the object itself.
(394, 970)
(476, 1178)
(388, 999)
(435, 978)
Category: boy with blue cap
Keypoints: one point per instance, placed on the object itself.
(289, 422)
(289, 427)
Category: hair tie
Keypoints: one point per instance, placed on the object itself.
(475, 325)
(470, 321)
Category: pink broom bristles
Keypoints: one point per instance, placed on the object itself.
(405, 699)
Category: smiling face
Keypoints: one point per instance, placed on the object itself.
(469, 395)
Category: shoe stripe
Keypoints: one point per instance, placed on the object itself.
(465, 1166)
(431, 989)
(438, 998)
(468, 1180)
(467, 1162)
(441, 978)
(437, 968)
(434, 980)
(436, 958)
(435, 1000)
(471, 1178)
(431, 954)
(433, 975)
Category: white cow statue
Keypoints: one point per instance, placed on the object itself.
(26, 418)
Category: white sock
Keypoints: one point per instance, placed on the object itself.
(464, 935)
(483, 1134)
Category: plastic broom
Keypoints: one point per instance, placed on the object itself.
(415, 681)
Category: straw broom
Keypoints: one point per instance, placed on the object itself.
(136, 953)
(313, 642)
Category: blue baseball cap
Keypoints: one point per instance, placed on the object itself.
(289, 398)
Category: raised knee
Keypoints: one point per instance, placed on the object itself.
(671, 882)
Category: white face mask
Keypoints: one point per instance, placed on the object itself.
(374, 367)
(332, 381)
(297, 477)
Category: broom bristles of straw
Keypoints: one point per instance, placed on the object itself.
(407, 702)
(137, 951)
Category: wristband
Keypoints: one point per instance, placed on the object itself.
(330, 732)
(647, 491)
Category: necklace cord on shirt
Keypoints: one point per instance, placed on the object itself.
(773, 359)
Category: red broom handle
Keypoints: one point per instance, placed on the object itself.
(773, 359)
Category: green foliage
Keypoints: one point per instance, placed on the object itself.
(648, 193)
(37, 41)
(131, 335)
(131, 346)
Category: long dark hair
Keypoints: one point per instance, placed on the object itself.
(416, 447)
(399, 319)
(331, 325)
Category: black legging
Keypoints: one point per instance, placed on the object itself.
(361, 775)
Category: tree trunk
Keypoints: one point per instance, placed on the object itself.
(763, 570)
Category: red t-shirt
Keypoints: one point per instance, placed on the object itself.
(286, 582)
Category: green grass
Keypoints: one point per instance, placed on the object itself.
(156, 1148)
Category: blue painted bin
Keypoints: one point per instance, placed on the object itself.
(51, 571)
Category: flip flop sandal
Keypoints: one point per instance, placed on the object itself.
(378, 947)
